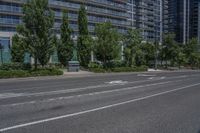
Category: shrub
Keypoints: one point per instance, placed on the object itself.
(32, 73)
(98, 70)
(95, 65)
(116, 63)
(120, 69)
(46, 72)
(13, 73)
(15, 66)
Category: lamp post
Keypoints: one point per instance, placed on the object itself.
(1, 50)
(156, 49)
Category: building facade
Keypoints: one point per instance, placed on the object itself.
(146, 15)
(182, 17)
(98, 11)
(195, 19)
(177, 19)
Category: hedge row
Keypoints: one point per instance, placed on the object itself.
(32, 73)
(120, 69)
(15, 66)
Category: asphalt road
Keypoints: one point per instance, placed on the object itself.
(156, 102)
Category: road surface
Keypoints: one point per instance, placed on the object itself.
(156, 102)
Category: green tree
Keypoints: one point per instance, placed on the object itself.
(66, 45)
(17, 49)
(133, 53)
(148, 49)
(106, 43)
(36, 30)
(169, 48)
(84, 39)
(191, 50)
(181, 57)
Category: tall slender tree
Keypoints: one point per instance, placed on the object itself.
(17, 49)
(36, 30)
(84, 40)
(65, 47)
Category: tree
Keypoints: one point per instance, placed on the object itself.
(36, 30)
(66, 45)
(84, 39)
(106, 43)
(191, 51)
(169, 47)
(179, 55)
(132, 41)
(148, 49)
(17, 49)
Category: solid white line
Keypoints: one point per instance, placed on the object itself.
(80, 89)
(93, 110)
(88, 94)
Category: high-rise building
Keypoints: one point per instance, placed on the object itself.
(177, 18)
(146, 15)
(195, 19)
(123, 14)
(98, 11)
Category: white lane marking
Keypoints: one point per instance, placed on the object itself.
(7, 95)
(156, 78)
(68, 90)
(85, 88)
(95, 109)
(117, 82)
(145, 75)
(88, 94)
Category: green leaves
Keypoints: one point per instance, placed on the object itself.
(84, 42)
(36, 30)
(106, 43)
(133, 54)
(17, 49)
(66, 45)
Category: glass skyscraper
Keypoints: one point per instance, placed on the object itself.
(176, 18)
(182, 17)
(195, 19)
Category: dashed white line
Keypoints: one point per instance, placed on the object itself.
(88, 94)
(93, 110)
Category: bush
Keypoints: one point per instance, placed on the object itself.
(98, 70)
(13, 73)
(32, 73)
(15, 66)
(129, 69)
(95, 65)
(114, 64)
(120, 69)
(46, 72)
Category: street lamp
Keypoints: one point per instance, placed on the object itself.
(156, 50)
(1, 50)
